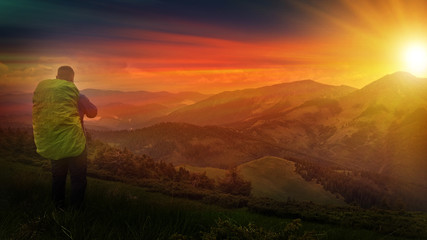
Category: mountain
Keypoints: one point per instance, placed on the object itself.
(380, 129)
(105, 97)
(351, 130)
(128, 110)
(116, 109)
(234, 106)
(373, 112)
(182, 143)
(16, 109)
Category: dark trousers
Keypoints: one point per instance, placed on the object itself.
(78, 168)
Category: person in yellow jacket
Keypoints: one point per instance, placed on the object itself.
(58, 111)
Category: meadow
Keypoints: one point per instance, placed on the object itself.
(115, 210)
(169, 204)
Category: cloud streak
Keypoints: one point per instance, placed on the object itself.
(203, 45)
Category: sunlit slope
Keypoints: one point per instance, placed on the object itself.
(354, 130)
(383, 125)
(380, 128)
(276, 178)
(228, 107)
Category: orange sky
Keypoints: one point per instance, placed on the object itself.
(334, 42)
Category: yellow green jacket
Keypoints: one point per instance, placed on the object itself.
(57, 128)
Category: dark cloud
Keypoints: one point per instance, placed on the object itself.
(251, 19)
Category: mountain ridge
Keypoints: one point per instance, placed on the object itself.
(233, 106)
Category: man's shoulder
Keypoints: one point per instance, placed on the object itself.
(46, 82)
(56, 83)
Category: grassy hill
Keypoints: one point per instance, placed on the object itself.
(115, 210)
(276, 178)
(118, 211)
(379, 129)
(187, 144)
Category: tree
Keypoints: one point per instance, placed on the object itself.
(234, 184)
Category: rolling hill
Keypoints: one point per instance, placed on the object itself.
(276, 178)
(367, 129)
(380, 128)
(16, 109)
(182, 143)
(234, 106)
(115, 210)
(116, 109)
(130, 110)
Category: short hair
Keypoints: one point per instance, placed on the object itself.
(65, 73)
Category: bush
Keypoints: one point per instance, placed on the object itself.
(200, 180)
(226, 229)
(234, 184)
(226, 200)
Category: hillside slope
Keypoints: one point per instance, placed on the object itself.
(276, 178)
(114, 210)
(357, 131)
(181, 143)
(233, 106)
(116, 109)
(380, 128)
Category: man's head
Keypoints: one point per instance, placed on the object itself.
(65, 73)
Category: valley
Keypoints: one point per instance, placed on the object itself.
(380, 129)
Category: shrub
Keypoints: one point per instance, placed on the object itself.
(234, 184)
(226, 229)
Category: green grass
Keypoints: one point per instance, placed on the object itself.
(115, 210)
(276, 178)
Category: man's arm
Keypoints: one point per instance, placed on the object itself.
(86, 107)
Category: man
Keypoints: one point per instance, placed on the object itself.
(58, 111)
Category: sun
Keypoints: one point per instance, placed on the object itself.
(416, 59)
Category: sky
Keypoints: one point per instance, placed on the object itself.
(208, 46)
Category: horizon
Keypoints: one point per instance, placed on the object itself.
(212, 46)
(214, 93)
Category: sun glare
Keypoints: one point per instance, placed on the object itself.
(416, 59)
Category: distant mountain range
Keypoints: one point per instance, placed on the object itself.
(244, 105)
(380, 128)
(116, 109)
(130, 110)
